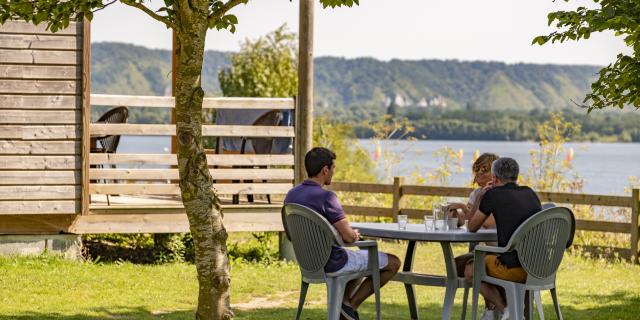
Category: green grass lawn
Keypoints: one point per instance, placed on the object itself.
(51, 288)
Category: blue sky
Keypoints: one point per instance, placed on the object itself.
(496, 30)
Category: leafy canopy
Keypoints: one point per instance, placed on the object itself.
(266, 67)
(618, 84)
(58, 13)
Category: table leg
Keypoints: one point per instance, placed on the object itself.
(451, 280)
(411, 297)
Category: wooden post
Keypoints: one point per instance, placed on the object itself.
(86, 113)
(304, 110)
(174, 143)
(397, 197)
(635, 211)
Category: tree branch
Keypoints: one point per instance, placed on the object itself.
(225, 8)
(106, 5)
(149, 12)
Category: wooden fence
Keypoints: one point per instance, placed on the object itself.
(399, 189)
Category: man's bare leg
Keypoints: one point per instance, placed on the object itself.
(490, 292)
(350, 289)
(366, 288)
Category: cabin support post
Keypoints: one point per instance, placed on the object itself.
(304, 107)
(304, 111)
(635, 211)
(86, 114)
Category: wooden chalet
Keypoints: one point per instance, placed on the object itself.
(51, 182)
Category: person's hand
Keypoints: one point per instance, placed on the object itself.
(356, 234)
(456, 205)
(452, 212)
(486, 188)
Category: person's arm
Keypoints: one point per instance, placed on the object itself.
(476, 222)
(334, 210)
(478, 217)
(348, 234)
(452, 212)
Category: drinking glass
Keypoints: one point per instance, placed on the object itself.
(439, 218)
(429, 223)
(402, 221)
(452, 224)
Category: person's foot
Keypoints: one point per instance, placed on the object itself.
(505, 315)
(488, 315)
(348, 312)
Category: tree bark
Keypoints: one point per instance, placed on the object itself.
(201, 203)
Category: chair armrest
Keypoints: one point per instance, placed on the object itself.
(492, 249)
(362, 244)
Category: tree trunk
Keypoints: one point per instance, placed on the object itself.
(200, 201)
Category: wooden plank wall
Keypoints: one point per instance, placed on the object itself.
(40, 125)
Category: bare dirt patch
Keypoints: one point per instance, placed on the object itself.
(278, 300)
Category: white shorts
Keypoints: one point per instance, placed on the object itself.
(357, 261)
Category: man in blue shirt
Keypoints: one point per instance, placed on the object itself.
(320, 166)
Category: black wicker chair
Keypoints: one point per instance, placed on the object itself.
(261, 145)
(109, 143)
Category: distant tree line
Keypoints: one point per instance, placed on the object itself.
(512, 125)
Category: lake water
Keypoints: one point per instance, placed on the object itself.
(605, 167)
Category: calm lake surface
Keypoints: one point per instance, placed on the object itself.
(605, 167)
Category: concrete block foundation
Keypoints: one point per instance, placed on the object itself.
(67, 245)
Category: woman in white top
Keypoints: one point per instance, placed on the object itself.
(481, 176)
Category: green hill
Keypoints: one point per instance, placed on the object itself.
(119, 68)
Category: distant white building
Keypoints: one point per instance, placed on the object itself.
(399, 100)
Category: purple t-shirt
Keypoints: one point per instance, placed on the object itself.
(324, 202)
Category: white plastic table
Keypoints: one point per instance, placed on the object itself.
(417, 232)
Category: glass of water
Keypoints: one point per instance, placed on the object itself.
(429, 223)
(439, 218)
(402, 221)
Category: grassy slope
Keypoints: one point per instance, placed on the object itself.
(119, 68)
(46, 288)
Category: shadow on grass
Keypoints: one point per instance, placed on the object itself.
(105, 313)
(619, 305)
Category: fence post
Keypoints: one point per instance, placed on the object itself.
(397, 196)
(635, 211)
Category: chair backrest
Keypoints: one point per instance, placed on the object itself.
(311, 235)
(548, 205)
(541, 240)
(265, 145)
(116, 115)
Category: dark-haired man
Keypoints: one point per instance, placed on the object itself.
(510, 205)
(320, 166)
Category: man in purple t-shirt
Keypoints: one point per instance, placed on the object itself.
(320, 166)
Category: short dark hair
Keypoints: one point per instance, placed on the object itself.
(316, 159)
(506, 169)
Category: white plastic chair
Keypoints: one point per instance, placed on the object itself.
(312, 237)
(540, 243)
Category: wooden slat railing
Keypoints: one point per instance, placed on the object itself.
(208, 103)
(212, 159)
(398, 190)
(257, 177)
(207, 130)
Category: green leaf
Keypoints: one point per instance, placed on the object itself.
(232, 18)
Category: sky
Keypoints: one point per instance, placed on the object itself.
(493, 30)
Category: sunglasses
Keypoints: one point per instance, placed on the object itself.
(483, 170)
